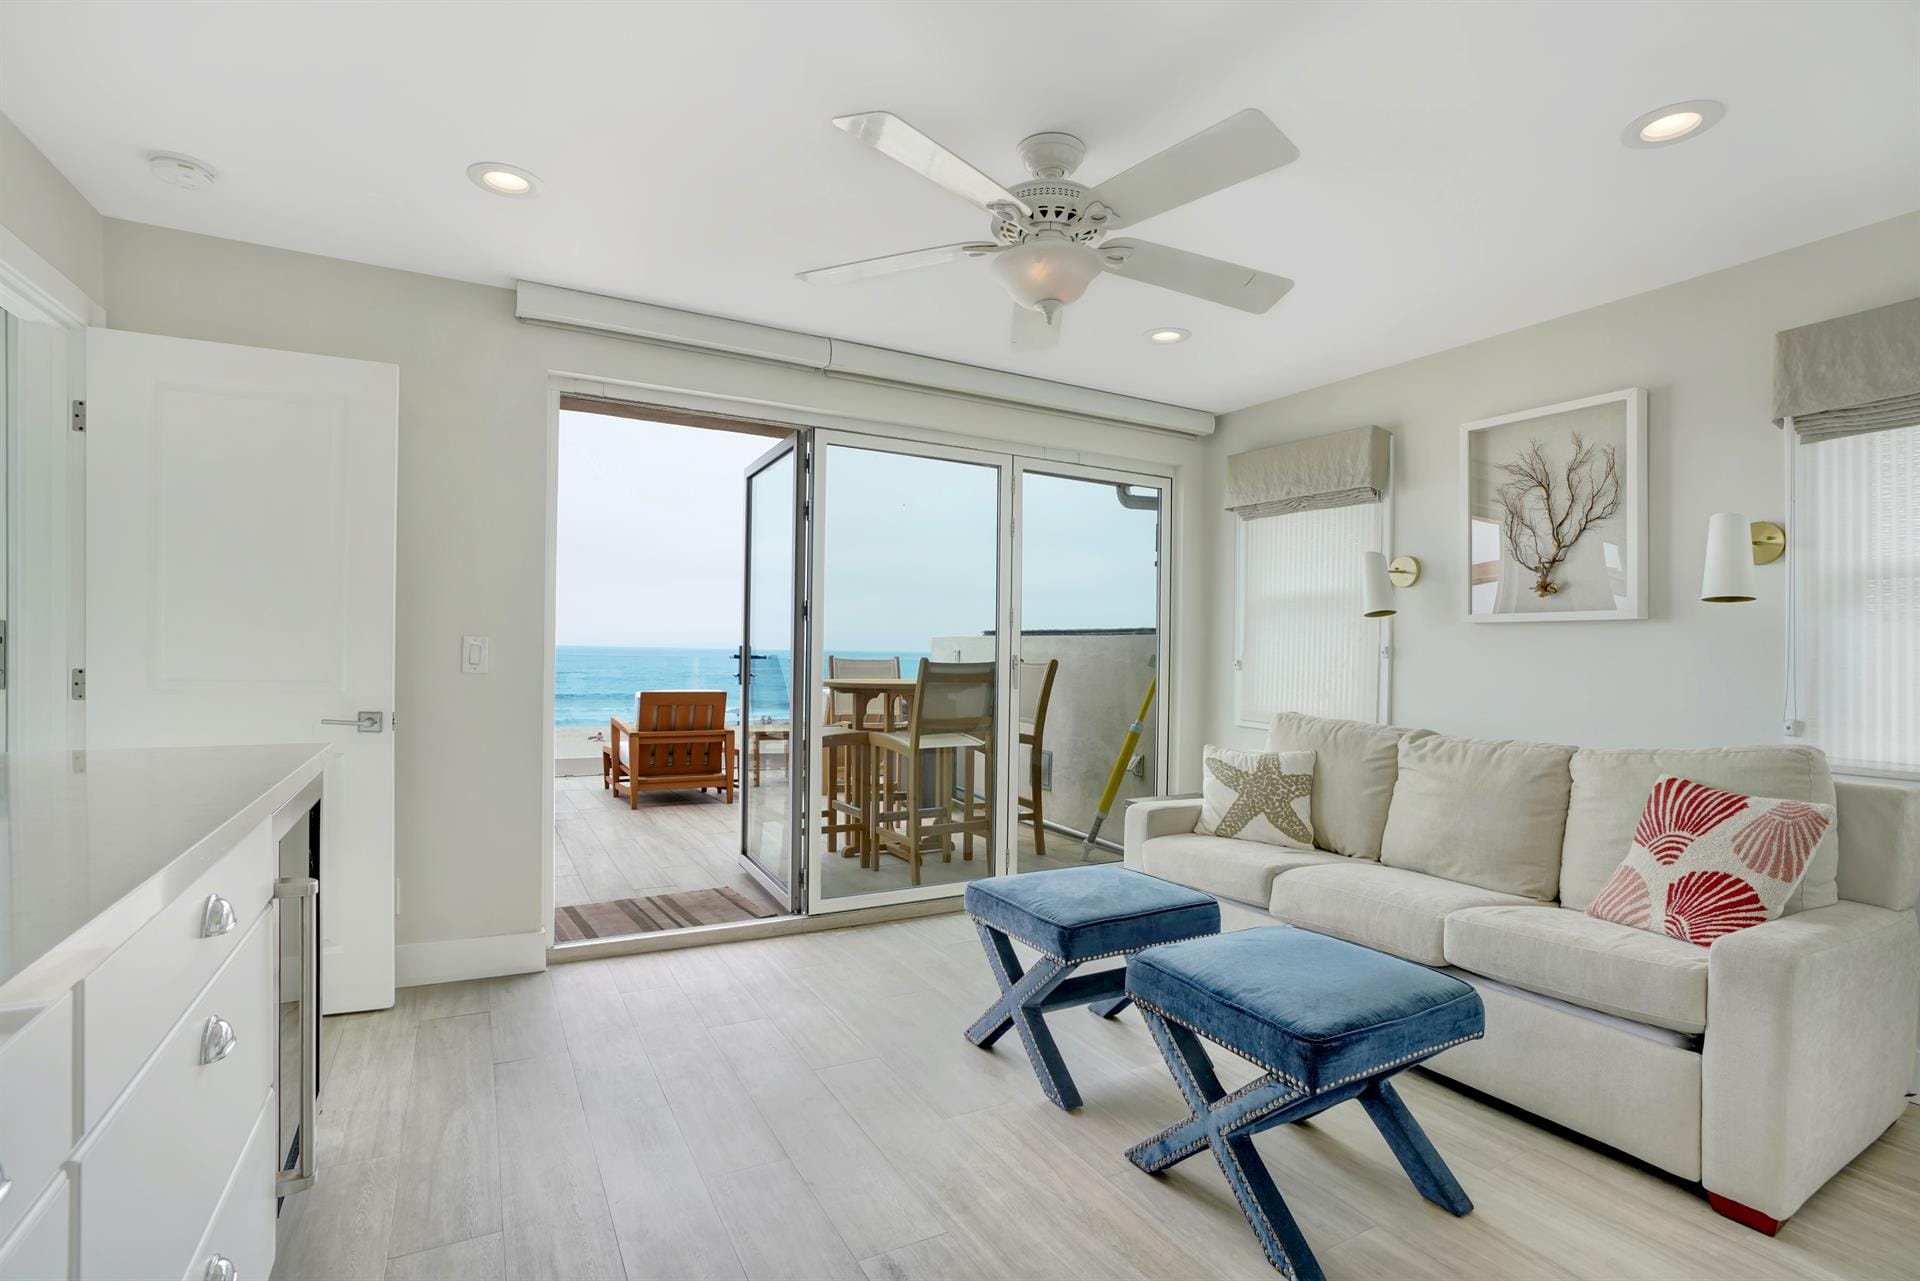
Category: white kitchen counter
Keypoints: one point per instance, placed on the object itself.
(94, 845)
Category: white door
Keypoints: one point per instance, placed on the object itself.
(240, 578)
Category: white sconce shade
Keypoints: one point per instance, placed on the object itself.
(1376, 593)
(1728, 575)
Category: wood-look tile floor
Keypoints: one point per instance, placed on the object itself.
(806, 1107)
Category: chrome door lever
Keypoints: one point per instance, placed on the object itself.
(365, 722)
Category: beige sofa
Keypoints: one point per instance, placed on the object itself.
(1757, 1067)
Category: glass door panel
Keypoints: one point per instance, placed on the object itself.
(908, 602)
(769, 709)
(1091, 599)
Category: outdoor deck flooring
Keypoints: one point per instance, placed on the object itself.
(678, 841)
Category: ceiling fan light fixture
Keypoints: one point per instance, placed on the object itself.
(1664, 126)
(1046, 269)
(502, 179)
(1168, 337)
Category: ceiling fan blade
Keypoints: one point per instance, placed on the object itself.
(867, 268)
(891, 136)
(1197, 275)
(1036, 330)
(1242, 146)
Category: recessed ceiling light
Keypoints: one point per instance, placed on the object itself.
(1672, 123)
(180, 171)
(1167, 337)
(502, 179)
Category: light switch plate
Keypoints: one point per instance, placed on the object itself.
(473, 653)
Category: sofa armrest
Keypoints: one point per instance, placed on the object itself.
(1809, 1049)
(1157, 816)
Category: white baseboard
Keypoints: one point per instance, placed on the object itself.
(450, 960)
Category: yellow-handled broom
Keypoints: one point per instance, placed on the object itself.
(1119, 770)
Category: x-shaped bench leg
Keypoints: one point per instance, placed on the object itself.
(1019, 1006)
(1226, 1124)
(1415, 1151)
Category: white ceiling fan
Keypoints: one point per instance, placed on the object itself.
(1049, 234)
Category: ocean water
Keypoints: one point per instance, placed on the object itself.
(594, 682)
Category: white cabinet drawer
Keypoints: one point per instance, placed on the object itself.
(135, 995)
(38, 1250)
(243, 1227)
(152, 1173)
(36, 1102)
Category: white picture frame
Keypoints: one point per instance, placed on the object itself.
(1511, 466)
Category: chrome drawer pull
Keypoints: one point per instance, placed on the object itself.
(220, 1268)
(6, 1184)
(217, 919)
(217, 1041)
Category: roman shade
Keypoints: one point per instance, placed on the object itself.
(1339, 470)
(1849, 375)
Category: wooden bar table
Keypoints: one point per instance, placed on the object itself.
(863, 690)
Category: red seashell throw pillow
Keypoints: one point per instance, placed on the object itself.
(1705, 863)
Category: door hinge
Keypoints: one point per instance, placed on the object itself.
(79, 685)
(79, 418)
(806, 610)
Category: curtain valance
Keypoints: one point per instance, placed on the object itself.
(1339, 470)
(1849, 375)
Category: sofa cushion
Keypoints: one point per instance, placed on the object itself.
(1610, 787)
(1485, 812)
(1354, 767)
(1242, 870)
(1879, 831)
(1557, 952)
(1384, 908)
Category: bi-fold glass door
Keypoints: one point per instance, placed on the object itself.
(912, 700)
(772, 683)
(987, 638)
(1090, 612)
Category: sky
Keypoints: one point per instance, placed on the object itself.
(651, 538)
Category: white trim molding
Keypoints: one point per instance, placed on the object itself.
(572, 309)
(33, 288)
(451, 960)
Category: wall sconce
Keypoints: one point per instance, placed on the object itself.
(1734, 547)
(1378, 578)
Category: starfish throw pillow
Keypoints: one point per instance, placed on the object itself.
(1705, 863)
(1258, 796)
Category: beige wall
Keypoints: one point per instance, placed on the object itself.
(1690, 673)
(54, 220)
(473, 422)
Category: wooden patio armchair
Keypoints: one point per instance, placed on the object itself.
(681, 741)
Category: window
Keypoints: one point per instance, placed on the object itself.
(1302, 644)
(1856, 608)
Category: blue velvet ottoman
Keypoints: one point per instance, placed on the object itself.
(1072, 916)
(1329, 1021)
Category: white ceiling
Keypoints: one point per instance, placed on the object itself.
(1460, 175)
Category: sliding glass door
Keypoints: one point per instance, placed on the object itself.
(909, 612)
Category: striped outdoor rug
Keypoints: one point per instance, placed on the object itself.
(655, 912)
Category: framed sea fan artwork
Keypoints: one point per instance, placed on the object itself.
(1555, 503)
